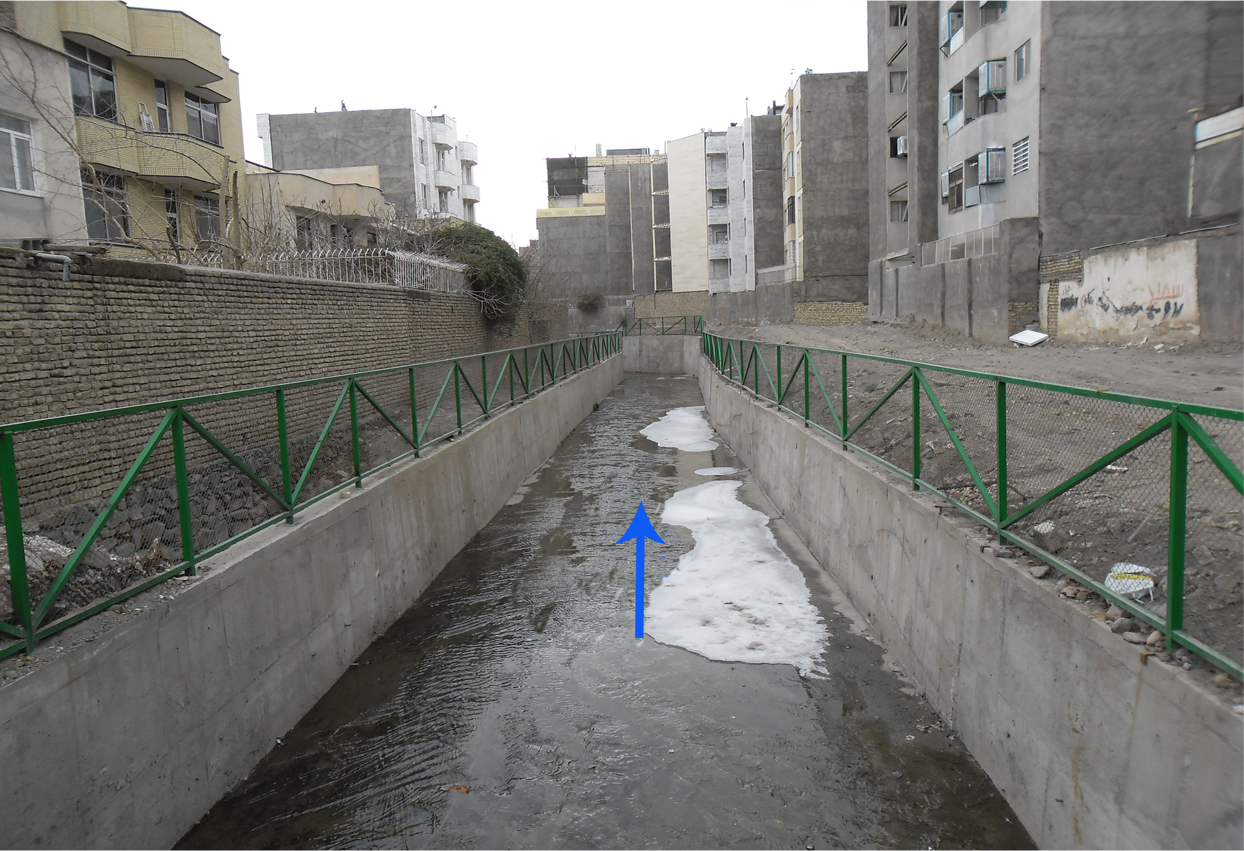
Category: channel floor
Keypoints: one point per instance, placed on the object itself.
(512, 706)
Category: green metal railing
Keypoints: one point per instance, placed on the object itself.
(200, 502)
(1031, 460)
(662, 325)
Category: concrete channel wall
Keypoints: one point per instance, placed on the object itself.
(124, 742)
(1091, 747)
(668, 354)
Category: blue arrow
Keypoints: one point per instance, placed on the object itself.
(640, 528)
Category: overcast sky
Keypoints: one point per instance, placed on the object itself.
(529, 80)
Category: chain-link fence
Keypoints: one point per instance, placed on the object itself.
(1135, 499)
(100, 506)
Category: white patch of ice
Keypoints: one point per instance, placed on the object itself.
(735, 597)
(682, 428)
(716, 471)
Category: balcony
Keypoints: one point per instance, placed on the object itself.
(715, 143)
(439, 134)
(719, 251)
(718, 215)
(716, 180)
(468, 192)
(468, 153)
(445, 179)
(164, 157)
(174, 46)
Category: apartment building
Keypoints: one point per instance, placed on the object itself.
(725, 205)
(825, 174)
(1003, 133)
(156, 125)
(605, 230)
(426, 170)
(315, 209)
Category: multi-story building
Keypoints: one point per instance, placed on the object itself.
(156, 123)
(315, 208)
(825, 148)
(425, 169)
(1001, 133)
(725, 205)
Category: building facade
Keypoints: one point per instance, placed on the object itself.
(156, 124)
(825, 151)
(315, 209)
(1003, 133)
(426, 170)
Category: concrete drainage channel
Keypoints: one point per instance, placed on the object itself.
(128, 741)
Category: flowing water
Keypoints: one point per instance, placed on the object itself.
(513, 707)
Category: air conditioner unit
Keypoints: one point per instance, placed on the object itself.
(945, 180)
(900, 146)
(992, 165)
(991, 77)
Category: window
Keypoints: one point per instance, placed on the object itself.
(955, 196)
(90, 78)
(107, 210)
(992, 11)
(423, 150)
(468, 173)
(162, 114)
(790, 165)
(207, 220)
(898, 211)
(202, 120)
(898, 15)
(719, 234)
(790, 210)
(1023, 56)
(898, 82)
(443, 199)
(171, 219)
(718, 269)
(952, 25)
(16, 169)
(304, 233)
(1019, 156)
(721, 197)
(955, 118)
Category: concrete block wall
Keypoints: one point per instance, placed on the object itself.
(121, 333)
(125, 741)
(830, 313)
(1090, 746)
(669, 354)
(671, 304)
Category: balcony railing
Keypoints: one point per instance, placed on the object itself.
(468, 192)
(445, 179)
(347, 265)
(973, 243)
(468, 152)
(175, 156)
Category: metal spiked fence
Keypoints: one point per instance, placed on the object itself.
(100, 506)
(1131, 497)
(662, 325)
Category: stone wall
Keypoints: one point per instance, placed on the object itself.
(830, 312)
(671, 304)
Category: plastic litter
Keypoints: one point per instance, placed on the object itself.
(1131, 579)
(1028, 338)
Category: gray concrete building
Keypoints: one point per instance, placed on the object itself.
(425, 168)
(1004, 134)
(825, 144)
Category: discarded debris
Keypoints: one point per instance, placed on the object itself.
(1125, 578)
(1028, 338)
(458, 787)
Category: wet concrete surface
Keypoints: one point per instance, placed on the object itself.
(517, 677)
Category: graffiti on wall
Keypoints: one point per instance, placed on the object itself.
(1133, 292)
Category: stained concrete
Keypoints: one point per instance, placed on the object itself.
(1091, 746)
(669, 354)
(126, 741)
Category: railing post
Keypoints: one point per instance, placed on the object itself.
(483, 376)
(1003, 487)
(183, 494)
(845, 418)
(414, 412)
(526, 371)
(458, 394)
(15, 539)
(915, 429)
(779, 393)
(510, 364)
(1178, 529)
(354, 435)
(662, 326)
(282, 432)
(807, 387)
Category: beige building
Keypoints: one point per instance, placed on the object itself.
(157, 122)
(314, 208)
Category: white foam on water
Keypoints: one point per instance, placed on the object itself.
(682, 428)
(716, 471)
(735, 597)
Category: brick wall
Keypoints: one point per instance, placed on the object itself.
(1051, 309)
(1019, 315)
(830, 312)
(1069, 266)
(671, 304)
(121, 333)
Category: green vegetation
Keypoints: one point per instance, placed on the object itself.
(497, 276)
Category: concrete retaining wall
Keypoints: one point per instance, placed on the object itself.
(672, 354)
(1091, 747)
(125, 741)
